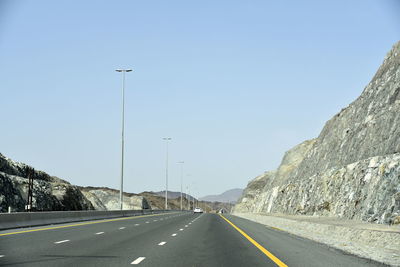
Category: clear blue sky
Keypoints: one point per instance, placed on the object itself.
(234, 83)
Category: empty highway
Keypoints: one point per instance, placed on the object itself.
(172, 239)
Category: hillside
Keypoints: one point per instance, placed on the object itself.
(172, 194)
(229, 196)
(352, 170)
(51, 193)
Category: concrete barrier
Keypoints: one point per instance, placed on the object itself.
(29, 219)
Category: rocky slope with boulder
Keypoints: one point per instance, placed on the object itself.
(352, 170)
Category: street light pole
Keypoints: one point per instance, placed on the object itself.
(181, 162)
(122, 135)
(167, 139)
(188, 196)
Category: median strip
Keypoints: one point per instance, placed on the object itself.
(256, 244)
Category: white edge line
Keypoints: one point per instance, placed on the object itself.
(138, 260)
(62, 241)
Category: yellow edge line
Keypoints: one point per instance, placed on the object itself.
(255, 243)
(80, 224)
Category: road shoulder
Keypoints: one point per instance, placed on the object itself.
(378, 243)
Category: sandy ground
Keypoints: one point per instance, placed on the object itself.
(373, 241)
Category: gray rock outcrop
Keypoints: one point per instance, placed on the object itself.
(49, 192)
(108, 199)
(352, 169)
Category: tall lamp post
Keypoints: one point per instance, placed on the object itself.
(167, 139)
(188, 195)
(188, 191)
(181, 163)
(122, 136)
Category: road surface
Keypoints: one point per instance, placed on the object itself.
(173, 239)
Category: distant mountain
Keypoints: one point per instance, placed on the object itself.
(228, 196)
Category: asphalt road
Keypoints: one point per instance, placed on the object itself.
(174, 239)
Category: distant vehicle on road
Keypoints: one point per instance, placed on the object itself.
(197, 210)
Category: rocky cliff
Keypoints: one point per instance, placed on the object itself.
(104, 198)
(352, 169)
(54, 194)
(49, 192)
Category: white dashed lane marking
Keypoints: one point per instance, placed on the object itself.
(186, 226)
(99, 233)
(181, 229)
(137, 224)
(1, 256)
(138, 260)
(121, 228)
(173, 234)
(162, 243)
(62, 241)
(147, 222)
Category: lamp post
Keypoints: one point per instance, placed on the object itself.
(181, 163)
(193, 198)
(122, 136)
(188, 196)
(167, 139)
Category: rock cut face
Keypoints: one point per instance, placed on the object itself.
(54, 194)
(49, 193)
(261, 191)
(368, 127)
(108, 199)
(352, 169)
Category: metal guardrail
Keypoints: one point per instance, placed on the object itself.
(29, 219)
